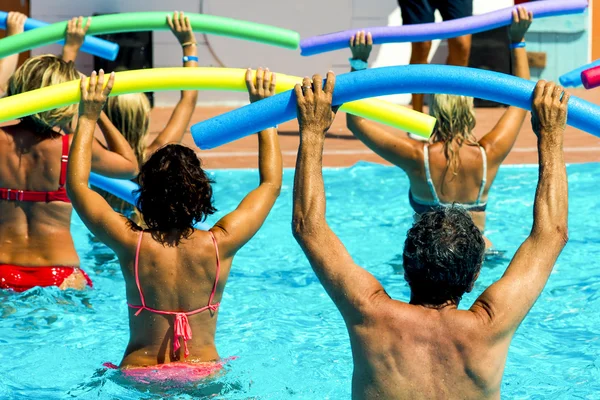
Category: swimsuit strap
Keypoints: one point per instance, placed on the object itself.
(484, 179)
(436, 199)
(64, 159)
(137, 275)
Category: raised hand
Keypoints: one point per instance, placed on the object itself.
(94, 95)
(315, 114)
(76, 31)
(361, 45)
(264, 86)
(15, 23)
(549, 111)
(182, 28)
(522, 20)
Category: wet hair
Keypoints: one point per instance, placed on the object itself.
(129, 113)
(455, 117)
(175, 193)
(442, 255)
(38, 72)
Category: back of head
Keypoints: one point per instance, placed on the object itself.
(175, 193)
(38, 72)
(455, 117)
(442, 256)
(130, 115)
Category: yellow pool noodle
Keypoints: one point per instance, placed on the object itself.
(227, 79)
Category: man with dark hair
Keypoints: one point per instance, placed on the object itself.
(427, 348)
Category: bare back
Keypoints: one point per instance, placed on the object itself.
(33, 234)
(427, 354)
(178, 278)
(462, 186)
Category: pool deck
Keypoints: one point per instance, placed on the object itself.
(342, 149)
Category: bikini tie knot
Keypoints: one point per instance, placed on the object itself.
(181, 329)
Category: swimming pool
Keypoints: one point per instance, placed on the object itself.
(275, 316)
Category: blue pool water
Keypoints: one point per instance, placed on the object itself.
(290, 341)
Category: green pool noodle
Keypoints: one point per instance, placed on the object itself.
(152, 21)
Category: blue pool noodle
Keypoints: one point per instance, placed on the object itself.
(123, 189)
(446, 79)
(92, 45)
(443, 30)
(573, 78)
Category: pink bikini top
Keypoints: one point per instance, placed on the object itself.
(181, 327)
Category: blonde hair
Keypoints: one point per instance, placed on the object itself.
(455, 117)
(130, 115)
(38, 72)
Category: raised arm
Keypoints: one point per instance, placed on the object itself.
(97, 215)
(499, 142)
(116, 161)
(506, 303)
(352, 289)
(15, 24)
(238, 227)
(182, 114)
(399, 150)
(74, 37)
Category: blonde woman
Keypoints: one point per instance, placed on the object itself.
(131, 113)
(36, 247)
(453, 167)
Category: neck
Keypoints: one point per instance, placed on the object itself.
(416, 301)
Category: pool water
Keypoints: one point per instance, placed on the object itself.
(290, 341)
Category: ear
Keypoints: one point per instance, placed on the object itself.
(473, 283)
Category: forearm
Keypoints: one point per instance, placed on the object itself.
(8, 65)
(550, 210)
(269, 158)
(80, 156)
(190, 96)
(309, 189)
(115, 140)
(521, 63)
(69, 53)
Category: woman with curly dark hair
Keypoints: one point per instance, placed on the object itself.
(174, 274)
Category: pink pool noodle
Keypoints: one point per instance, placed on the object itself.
(591, 78)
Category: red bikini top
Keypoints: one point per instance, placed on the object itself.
(44, 197)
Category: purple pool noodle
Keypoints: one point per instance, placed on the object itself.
(443, 30)
(91, 45)
(573, 78)
(473, 82)
(123, 189)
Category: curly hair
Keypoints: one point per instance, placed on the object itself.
(175, 193)
(442, 255)
(38, 72)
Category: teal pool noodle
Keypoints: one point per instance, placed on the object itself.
(151, 21)
(91, 45)
(483, 84)
(124, 189)
(573, 78)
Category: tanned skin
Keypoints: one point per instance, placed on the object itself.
(416, 350)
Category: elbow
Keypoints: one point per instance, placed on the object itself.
(304, 227)
(556, 234)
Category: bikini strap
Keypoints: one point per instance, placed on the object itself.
(137, 275)
(214, 289)
(436, 199)
(64, 160)
(484, 179)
